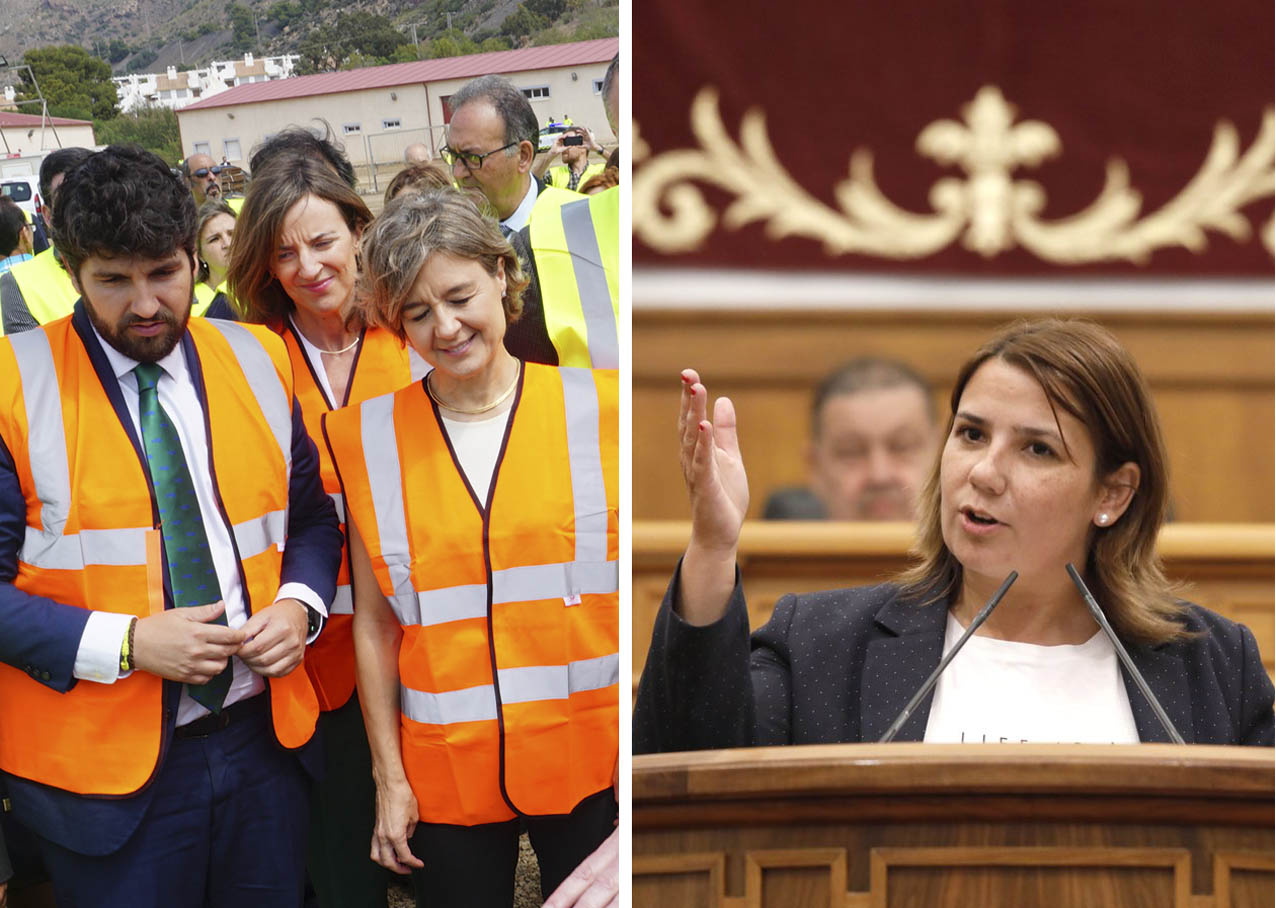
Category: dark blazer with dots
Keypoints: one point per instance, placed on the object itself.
(839, 666)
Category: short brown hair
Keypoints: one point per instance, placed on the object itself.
(275, 188)
(418, 178)
(411, 229)
(1084, 371)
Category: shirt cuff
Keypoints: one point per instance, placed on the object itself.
(98, 658)
(307, 597)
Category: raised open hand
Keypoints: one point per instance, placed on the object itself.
(711, 467)
(719, 493)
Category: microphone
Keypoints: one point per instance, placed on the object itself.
(943, 663)
(1124, 656)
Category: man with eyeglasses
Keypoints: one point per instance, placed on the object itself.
(570, 312)
(201, 175)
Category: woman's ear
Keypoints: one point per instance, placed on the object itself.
(500, 275)
(1118, 489)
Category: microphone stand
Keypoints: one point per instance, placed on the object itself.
(943, 663)
(1124, 656)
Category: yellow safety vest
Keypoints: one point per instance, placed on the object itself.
(561, 175)
(576, 244)
(45, 286)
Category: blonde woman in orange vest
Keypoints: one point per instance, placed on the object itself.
(293, 268)
(482, 509)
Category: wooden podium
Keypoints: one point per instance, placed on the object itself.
(955, 826)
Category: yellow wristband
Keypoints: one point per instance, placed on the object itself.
(126, 648)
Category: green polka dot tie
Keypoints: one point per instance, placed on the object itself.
(190, 564)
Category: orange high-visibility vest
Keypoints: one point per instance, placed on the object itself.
(92, 538)
(509, 661)
(382, 364)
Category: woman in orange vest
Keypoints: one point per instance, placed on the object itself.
(293, 268)
(483, 543)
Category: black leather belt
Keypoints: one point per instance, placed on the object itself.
(214, 722)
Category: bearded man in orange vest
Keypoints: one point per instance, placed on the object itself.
(166, 552)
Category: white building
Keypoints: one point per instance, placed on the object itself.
(377, 111)
(177, 89)
(23, 135)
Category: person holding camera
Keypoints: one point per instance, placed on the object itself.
(573, 145)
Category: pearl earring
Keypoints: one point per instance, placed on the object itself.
(1103, 519)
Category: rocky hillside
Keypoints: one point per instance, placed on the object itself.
(148, 35)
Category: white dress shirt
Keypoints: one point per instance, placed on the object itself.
(523, 213)
(98, 656)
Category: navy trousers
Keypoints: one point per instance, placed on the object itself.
(226, 829)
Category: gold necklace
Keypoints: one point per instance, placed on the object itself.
(429, 389)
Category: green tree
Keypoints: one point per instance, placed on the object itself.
(369, 34)
(494, 43)
(75, 83)
(406, 53)
(355, 39)
(522, 22)
(154, 128)
(243, 31)
(549, 10)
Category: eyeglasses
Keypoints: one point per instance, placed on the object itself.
(205, 171)
(468, 158)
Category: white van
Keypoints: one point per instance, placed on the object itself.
(24, 191)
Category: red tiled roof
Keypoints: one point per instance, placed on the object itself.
(600, 50)
(8, 118)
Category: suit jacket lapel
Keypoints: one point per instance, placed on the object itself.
(897, 664)
(1166, 676)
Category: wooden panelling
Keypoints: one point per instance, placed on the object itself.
(810, 877)
(1228, 567)
(1211, 376)
(952, 826)
(1045, 877)
(678, 880)
(1244, 879)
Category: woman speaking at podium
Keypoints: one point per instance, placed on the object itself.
(1053, 457)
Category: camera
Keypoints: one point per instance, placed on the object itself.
(573, 140)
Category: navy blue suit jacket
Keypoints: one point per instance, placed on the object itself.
(839, 666)
(41, 636)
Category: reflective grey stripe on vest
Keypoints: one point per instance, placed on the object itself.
(417, 366)
(589, 491)
(518, 685)
(470, 704)
(591, 284)
(46, 437)
(528, 583)
(259, 369)
(381, 456)
(342, 602)
(118, 548)
(556, 682)
(252, 537)
(339, 502)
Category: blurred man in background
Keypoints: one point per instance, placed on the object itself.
(874, 434)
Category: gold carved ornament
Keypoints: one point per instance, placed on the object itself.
(990, 210)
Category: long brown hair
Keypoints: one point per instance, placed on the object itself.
(1084, 371)
(273, 191)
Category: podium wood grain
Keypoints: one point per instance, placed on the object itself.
(955, 826)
